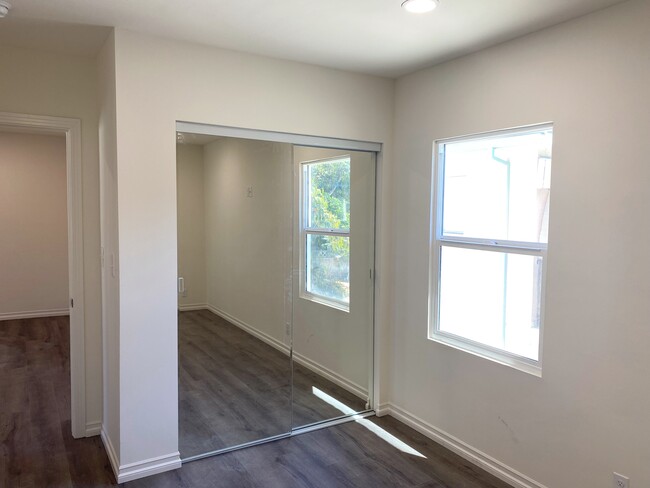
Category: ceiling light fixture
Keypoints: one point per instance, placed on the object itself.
(419, 6)
(5, 7)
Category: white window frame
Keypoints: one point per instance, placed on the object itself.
(438, 241)
(305, 231)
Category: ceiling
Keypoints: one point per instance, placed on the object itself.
(369, 36)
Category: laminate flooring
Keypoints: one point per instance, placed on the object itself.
(37, 450)
(235, 388)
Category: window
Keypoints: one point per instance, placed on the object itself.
(491, 207)
(325, 232)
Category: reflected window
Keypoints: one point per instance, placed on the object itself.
(325, 231)
(491, 236)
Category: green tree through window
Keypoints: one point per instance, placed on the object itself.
(327, 227)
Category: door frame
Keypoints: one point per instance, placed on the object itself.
(44, 124)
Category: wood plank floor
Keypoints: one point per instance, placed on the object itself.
(37, 450)
(235, 388)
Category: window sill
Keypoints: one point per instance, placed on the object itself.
(533, 368)
(324, 301)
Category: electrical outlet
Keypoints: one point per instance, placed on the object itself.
(287, 329)
(621, 481)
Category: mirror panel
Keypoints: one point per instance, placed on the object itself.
(276, 273)
(333, 285)
(234, 264)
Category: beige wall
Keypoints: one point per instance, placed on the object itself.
(191, 224)
(588, 415)
(33, 219)
(45, 83)
(159, 82)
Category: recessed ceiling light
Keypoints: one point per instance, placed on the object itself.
(5, 7)
(420, 6)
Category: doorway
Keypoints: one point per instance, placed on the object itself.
(70, 130)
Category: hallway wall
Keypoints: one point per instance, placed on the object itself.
(33, 225)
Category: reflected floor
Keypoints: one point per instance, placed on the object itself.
(235, 388)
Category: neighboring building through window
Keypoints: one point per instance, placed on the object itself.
(491, 207)
(325, 231)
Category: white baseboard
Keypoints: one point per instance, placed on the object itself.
(332, 376)
(140, 469)
(473, 455)
(192, 306)
(110, 451)
(93, 428)
(263, 336)
(319, 369)
(34, 314)
(382, 409)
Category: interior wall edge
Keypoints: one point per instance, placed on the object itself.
(140, 469)
(464, 450)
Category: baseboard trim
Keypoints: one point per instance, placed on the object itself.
(332, 376)
(34, 314)
(382, 410)
(192, 306)
(473, 455)
(263, 336)
(110, 451)
(317, 368)
(93, 428)
(140, 469)
(149, 467)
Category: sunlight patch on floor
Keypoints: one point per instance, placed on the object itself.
(374, 428)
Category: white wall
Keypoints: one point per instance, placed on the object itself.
(34, 243)
(46, 83)
(109, 242)
(191, 224)
(588, 415)
(159, 82)
(248, 239)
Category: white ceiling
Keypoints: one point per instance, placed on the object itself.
(370, 36)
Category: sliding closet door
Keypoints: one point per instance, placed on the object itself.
(333, 283)
(235, 218)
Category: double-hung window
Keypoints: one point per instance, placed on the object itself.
(325, 232)
(488, 253)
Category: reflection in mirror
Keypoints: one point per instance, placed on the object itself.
(234, 265)
(332, 286)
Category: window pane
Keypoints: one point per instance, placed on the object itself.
(328, 266)
(492, 298)
(498, 188)
(329, 194)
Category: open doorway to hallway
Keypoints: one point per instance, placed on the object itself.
(41, 261)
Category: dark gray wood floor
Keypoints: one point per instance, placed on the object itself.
(37, 450)
(235, 388)
(36, 445)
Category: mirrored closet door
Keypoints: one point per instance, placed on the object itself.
(332, 283)
(234, 264)
(275, 288)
